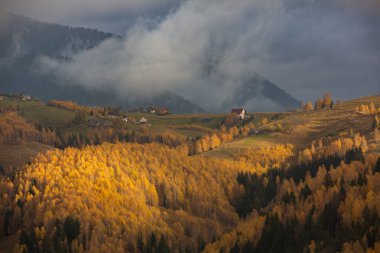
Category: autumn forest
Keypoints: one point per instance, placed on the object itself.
(189, 126)
(302, 181)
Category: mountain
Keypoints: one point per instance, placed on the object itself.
(23, 40)
(262, 95)
(24, 37)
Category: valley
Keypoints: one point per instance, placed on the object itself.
(187, 183)
(228, 126)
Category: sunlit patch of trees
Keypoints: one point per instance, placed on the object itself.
(73, 106)
(308, 107)
(264, 157)
(122, 195)
(16, 130)
(218, 138)
(325, 102)
(367, 109)
(331, 146)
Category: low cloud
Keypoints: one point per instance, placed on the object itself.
(364, 5)
(203, 50)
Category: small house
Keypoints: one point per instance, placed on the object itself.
(151, 109)
(163, 111)
(143, 120)
(241, 112)
(25, 97)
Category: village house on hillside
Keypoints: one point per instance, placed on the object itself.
(143, 120)
(151, 109)
(25, 97)
(163, 111)
(240, 111)
(157, 110)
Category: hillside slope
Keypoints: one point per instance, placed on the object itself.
(299, 129)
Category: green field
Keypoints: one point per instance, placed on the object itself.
(39, 113)
(21, 105)
(48, 116)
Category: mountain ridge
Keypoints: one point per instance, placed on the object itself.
(25, 39)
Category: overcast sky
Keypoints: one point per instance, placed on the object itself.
(305, 47)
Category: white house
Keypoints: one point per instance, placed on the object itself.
(125, 119)
(151, 109)
(25, 97)
(143, 120)
(240, 111)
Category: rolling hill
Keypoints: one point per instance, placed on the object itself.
(299, 129)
